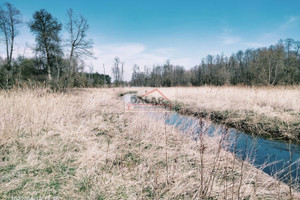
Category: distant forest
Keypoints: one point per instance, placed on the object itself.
(60, 61)
(278, 64)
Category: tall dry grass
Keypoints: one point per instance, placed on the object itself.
(276, 107)
(81, 145)
(279, 101)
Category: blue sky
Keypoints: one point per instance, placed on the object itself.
(149, 32)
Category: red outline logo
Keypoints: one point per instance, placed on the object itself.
(147, 103)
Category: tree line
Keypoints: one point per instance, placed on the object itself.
(277, 64)
(58, 61)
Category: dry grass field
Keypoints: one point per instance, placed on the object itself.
(82, 145)
(270, 111)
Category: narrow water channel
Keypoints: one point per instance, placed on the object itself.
(276, 156)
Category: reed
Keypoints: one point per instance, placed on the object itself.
(81, 145)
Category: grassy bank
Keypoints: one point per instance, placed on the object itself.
(81, 145)
(273, 112)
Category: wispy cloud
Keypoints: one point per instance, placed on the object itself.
(283, 29)
(254, 44)
(231, 39)
(289, 23)
(228, 38)
(292, 19)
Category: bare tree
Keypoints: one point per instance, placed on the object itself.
(10, 19)
(135, 70)
(80, 46)
(104, 79)
(122, 72)
(288, 45)
(117, 71)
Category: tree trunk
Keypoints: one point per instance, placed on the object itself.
(7, 49)
(48, 66)
(58, 71)
(49, 72)
(71, 60)
(12, 43)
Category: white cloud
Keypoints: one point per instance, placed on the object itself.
(133, 53)
(23, 45)
(20, 49)
(164, 51)
(126, 50)
(183, 62)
